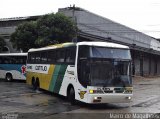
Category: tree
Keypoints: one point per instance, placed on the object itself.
(55, 28)
(2, 43)
(25, 36)
(48, 29)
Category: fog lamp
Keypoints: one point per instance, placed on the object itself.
(95, 98)
(129, 98)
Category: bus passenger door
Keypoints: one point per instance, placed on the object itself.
(83, 77)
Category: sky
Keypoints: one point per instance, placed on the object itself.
(141, 15)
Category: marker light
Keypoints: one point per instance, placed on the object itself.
(91, 91)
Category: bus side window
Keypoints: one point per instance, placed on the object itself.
(29, 58)
(60, 56)
(24, 59)
(73, 54)
(37, 57)
(70, 55)
(51, 56)
(44, 57)
(18, 60)
(1, 60)
(7, 60)
(32, 57)
(14, 59)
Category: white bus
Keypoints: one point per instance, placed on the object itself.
(91, 72)
(13, 66)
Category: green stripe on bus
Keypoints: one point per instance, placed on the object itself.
(60, 78)
(54, 78)
(57, 78)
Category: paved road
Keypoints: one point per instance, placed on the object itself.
(18, 99)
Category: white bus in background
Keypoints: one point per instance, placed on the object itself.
(91, 72)
(13, 66)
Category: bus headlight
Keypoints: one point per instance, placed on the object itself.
(91, 91)
(95, 91)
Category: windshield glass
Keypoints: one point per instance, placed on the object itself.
(102, 66)
(110, 73)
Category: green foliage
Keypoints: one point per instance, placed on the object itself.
(2, 43)
(48, 29)
(25, 36)
(55, 28)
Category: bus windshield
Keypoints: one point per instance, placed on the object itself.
(109, 73)
(100, 66)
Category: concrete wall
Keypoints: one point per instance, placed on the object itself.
(158, 66)
(145, 64)
(8, 26)
(137, 66)
(10, 47)
(155, 45)
(7, 30)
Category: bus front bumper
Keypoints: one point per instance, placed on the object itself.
(109, 98)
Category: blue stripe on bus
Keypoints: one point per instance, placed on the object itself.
(9, 67)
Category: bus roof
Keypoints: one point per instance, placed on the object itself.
(104, 44)
(13, 54)
(101, 44)
(52, 47)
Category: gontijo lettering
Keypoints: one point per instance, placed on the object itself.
(43, 68)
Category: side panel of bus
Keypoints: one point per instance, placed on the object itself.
(16, 70)
(13, 65)
(49, 76)
(56, 76)
(57, 79)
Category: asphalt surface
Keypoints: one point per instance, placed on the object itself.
(18, 100)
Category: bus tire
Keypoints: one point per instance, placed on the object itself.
(71, 95)
(9, 77)
(35, 84)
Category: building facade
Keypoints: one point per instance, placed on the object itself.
(145, 50)
(8, 26)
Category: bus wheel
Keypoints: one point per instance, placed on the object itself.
(71, 96)
(8, 77)
(35, 84)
